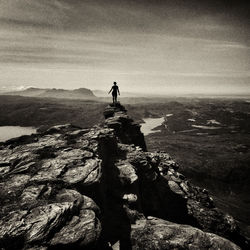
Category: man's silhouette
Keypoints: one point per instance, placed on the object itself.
(115, 90)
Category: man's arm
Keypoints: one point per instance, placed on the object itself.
(118, 90)
(110, 90)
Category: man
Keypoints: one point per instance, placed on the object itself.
(115, 90)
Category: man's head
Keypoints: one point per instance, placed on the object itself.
(114, 83)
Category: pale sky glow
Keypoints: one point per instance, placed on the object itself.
(146, 46)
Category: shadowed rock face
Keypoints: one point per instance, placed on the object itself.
(91, 188)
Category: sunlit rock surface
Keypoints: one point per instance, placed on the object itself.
(73, 188)
(155, 233)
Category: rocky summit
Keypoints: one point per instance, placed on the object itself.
(99, 188)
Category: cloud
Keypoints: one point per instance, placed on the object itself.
(132, 40)
(13, 88)
(228, 46)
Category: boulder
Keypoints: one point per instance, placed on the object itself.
(24, 227)
(155, 234)
(83, 231)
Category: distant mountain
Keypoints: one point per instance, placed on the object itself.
(81, 93)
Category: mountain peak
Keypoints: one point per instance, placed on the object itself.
(92, 188)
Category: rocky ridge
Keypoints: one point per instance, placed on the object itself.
(99, 188)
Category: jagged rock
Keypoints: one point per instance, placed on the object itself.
(111, 109)
(126, 173)
(22, 227)
(61, 128)
(125, 128)
(30, 194)
(83, 229)
(22, 168)
(159, 234)
(87, 188)
(175, 187)
(86, 174)
(130, 198)
(4, 170)
(212, 219)
(70, 195)
(37, 248)
(42, 220)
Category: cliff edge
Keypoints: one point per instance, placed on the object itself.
(99, 188)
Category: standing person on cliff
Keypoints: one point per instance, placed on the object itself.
(115, 90)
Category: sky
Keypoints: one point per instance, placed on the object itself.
(146, 46)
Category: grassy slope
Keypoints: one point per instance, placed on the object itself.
(28, 111)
